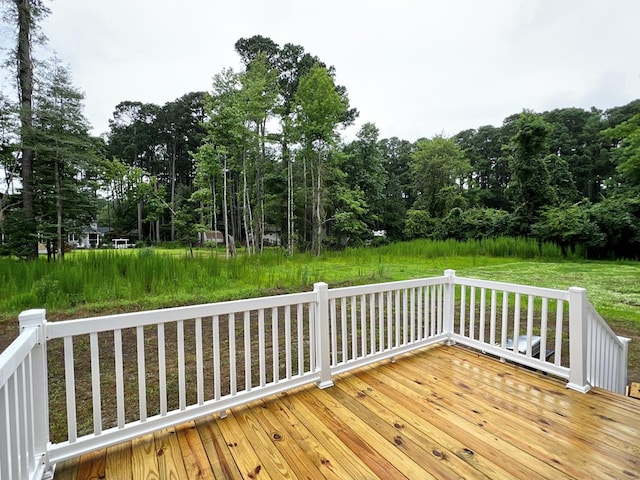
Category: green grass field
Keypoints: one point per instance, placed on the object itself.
(91, 283)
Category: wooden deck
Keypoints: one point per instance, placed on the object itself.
(445, 412)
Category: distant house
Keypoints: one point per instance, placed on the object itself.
(91, 237)
(213, 236)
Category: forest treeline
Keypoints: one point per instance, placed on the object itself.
(260, 158)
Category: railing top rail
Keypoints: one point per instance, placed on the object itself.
(383, 287)
(15, 354)
(514, 288)
(152, 317)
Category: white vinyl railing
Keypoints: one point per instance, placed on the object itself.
(606, 354)
(151, 370)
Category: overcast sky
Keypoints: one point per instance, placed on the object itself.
(414, 68)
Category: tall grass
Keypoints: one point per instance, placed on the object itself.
(153, 278)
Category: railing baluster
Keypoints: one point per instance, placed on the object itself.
(70, 384)
(344, 325)
(247, 351)
(299, 318)
(199, 362)
(287, 341)
(6, 453)
(275, 344)
(334, 332)
(363, 325)
(472, 313)
(505, 319)
(117, 345)
(483, 306)
(14, 430)
(381, 322)
(372, 322)
(21, 417)
(544, 314)
(405, 316)
(516, 323)
(142, 374)
(397, 324)
(389, 320)
(29, 410)
(462, 328)
(233, 370)
(162, 369)
(182, 386)
(215, 329)
(420, 320)
(95, 383)
(354, 329)
(530, 305)
(262, 356)
(313, 343)
(559, 333)
(412, 314)
(492, 328)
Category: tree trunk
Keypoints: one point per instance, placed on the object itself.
(139, 220)
(225, 209)
(60, 242)
(25, 80)
(173, 192)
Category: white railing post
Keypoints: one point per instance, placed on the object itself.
(578, 340)
(37, 319)
(323, 339)
(449, 307)
(621, 381)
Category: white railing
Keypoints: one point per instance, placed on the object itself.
(606, 354)
(151, 370)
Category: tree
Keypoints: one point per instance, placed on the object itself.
(626, 136)
(26, 14)
(568, 226)
(320, 109)
(531, 182)
(438, 168)
(66, 160)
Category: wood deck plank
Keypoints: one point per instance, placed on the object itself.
(196, 462)
(92, 465)
(119, 465)
(366, 441)
(570, 437)
(292, 453)
(461, 459)
(574, 456)
(443, 412)
(429, 454)
(248, 460)
(169, 455)
(222, 463)
(338, 453)
(520, 464)
(144, 458)
(312, 445)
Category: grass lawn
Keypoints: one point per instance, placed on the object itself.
(101, 282)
